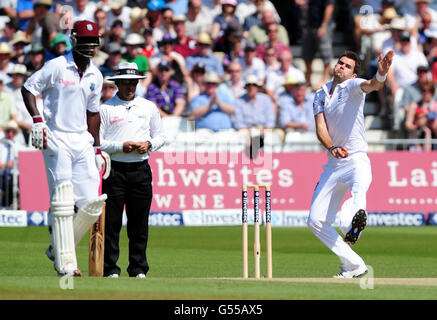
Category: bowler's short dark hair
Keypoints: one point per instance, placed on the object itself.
(352, 55)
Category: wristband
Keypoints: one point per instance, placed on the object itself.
(333, 147)
(37, 119)
(97, 150)
(380, 78)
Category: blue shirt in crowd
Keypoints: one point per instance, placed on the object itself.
(23, 5)
(260, 113)
(290, 111)
(210, 61)
(179, 7)
(215, 119)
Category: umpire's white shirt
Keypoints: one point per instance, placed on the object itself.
(66, 96)
(344, 114)
(135, 120)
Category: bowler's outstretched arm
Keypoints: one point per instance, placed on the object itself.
(375, 83)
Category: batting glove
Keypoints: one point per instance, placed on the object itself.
(103, 162)
(40, 133)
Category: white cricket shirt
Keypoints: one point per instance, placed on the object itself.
(135, 120)
(344, 114)
(66, 96)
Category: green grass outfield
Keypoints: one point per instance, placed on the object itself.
(205, 263)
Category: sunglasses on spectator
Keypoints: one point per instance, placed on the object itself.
(427, 90)
(272, 30)
(234, 70)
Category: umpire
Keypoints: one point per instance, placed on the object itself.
(130, 129)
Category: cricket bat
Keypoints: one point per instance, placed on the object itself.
(97, 246)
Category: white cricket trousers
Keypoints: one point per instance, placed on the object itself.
(70, 157)
(339, 175)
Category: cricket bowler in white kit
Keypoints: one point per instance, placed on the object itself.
(338, 111)
(66, 133)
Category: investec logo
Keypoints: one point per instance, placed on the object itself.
(433, 218)
(165, 219)
(396, 219)
(12, 218)
(213, 217)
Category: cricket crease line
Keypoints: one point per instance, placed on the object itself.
(376, 281)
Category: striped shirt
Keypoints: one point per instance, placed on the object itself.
(165, 99)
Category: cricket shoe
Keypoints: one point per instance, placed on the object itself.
(140, 275)
(355, 273)
(113, 275)
(359, 222)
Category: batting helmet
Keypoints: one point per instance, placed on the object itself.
(85, 38)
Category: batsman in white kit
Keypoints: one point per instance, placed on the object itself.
(66, 133)
(338, 111)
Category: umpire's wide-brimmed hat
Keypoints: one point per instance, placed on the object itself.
(127, 70)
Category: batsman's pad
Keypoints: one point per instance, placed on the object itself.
(86, 216)
(62, 212)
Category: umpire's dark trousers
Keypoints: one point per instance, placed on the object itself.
(130, 185)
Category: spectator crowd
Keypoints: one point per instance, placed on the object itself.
(226, 64)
